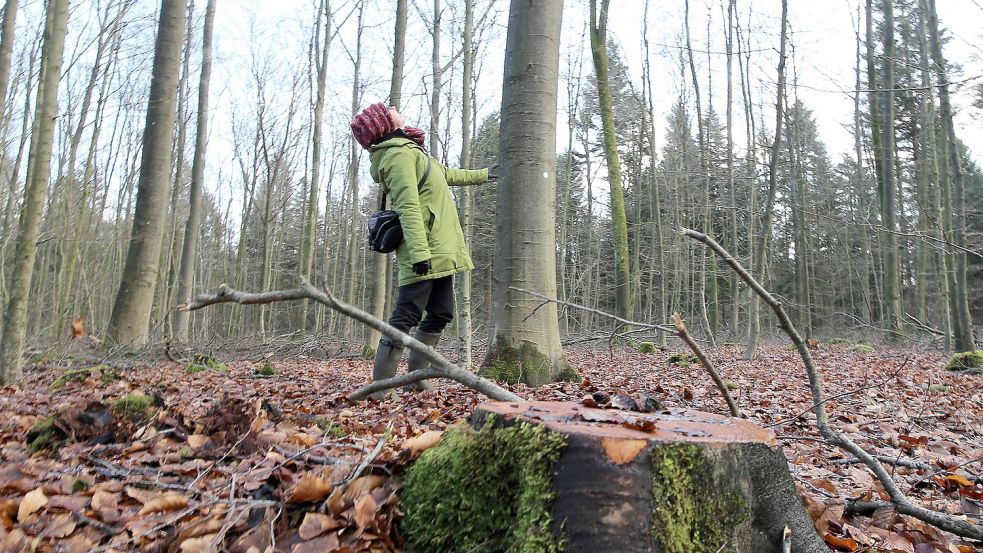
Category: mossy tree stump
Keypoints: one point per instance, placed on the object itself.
(546, 476)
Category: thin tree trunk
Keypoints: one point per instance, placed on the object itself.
(761, 246)
(892, 270)
(963, 330)
(192, 231)
(464, 305)
(129, 323)
(310, 216)
(39, 168)
(619, 221)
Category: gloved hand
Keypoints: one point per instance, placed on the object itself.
(493, 171)
(422, 267)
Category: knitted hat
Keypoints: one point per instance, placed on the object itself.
(415, 134)
(372, 124)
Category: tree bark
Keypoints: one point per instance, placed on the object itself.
(963, 327)
(673, 482)
(525, 339)
(464, 279)
(619, 220)
(382, 263)
(38, 171)
(761, 245)
(130, 320)
(192, 230)
(892, 269)
(313, 194)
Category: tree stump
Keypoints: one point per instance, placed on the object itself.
(547, 476)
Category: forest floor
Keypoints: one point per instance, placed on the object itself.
(155, 457)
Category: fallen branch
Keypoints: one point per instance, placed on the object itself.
(546, 299)
(900, 502)
(304, 290)
(714, 375)
(679, 331)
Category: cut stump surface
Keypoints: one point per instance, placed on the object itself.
(675, 481)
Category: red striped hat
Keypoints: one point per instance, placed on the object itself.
(372, 124)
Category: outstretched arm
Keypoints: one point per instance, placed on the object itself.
(465, 177)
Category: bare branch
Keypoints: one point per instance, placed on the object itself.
(626, 322)
(439, 363)
(714, 375)
(943, 521)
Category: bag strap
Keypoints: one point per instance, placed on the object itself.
(419, 186)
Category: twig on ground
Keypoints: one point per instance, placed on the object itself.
(714, 375)
(370, 457)
(943, 521)
(305, 290)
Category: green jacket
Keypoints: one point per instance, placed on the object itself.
(431, 228)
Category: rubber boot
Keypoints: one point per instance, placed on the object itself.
(417, 362)
(386, 359)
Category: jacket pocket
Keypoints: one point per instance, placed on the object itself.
(431, 222)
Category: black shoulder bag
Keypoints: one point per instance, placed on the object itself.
(385, 231)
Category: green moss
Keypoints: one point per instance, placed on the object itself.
(44, 434)
(691, 512)
(730, 385)
(368, 352)
(647, 347)
(134, 407)
(71, 375)
(488, 490)
(329, 428)
(525, 364)
(836, 341)
(936, 388)
(107, 375)
(79, 485)
(266, 370)
(863, 348)
(971, 361)
(682, 359)
(201, 362)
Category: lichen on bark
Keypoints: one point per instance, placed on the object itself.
(691, 510)
(484, 490)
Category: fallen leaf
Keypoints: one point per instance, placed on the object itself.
(30, 504)
(959, 479)
(622, 451)
(78, 328)
(329, 543)
(166, 503)
(362, 485)
(309, 488)
(843, 544)
(197, 545)
(59, 526)
(895, 544)
(418, 444)
(365, 511)
(315, 524)
(196, 441)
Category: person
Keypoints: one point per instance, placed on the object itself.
(433, 248)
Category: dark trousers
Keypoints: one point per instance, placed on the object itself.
(434, 297)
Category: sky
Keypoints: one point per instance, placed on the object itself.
(822, 51)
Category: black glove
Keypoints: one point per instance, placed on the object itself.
(493, 171)
(422, 267)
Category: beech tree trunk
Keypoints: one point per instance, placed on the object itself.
(38, 171)
(678, 481)
(130, 320)
(525, 337)
(189, 251)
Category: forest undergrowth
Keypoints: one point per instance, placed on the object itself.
(237, 453)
